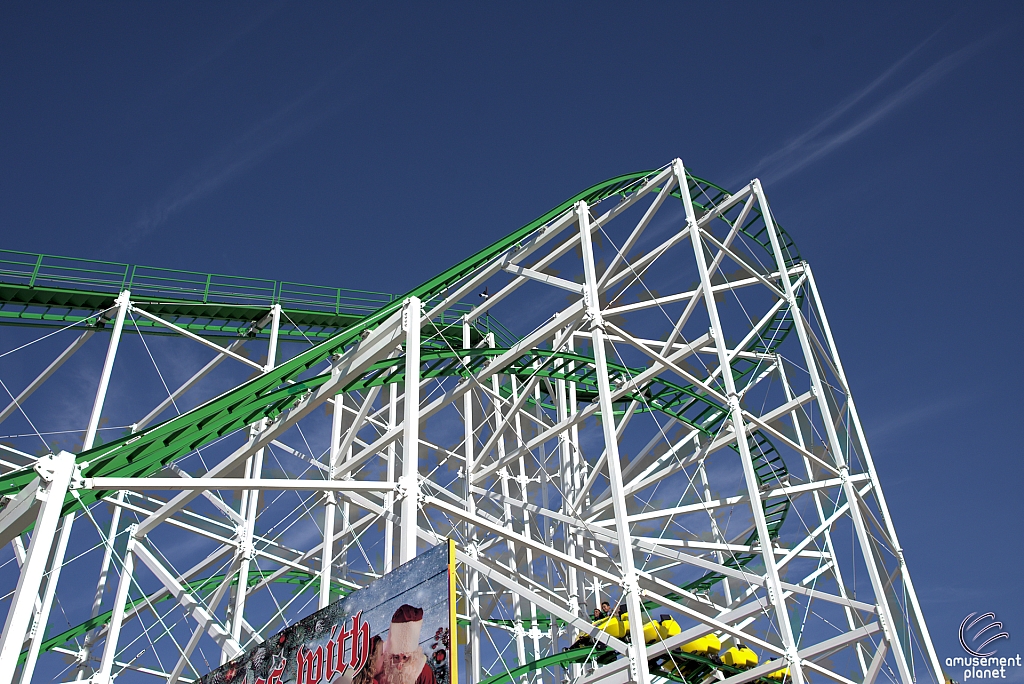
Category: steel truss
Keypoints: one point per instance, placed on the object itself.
(674, 433)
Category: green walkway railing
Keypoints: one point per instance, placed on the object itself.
(71, 273)
(50, 289)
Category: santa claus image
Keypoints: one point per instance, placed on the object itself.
(404, 660)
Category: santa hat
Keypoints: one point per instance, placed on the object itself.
(404, 635)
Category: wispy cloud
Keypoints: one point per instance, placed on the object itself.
(898, 421)
(289, 122)
(240, 155)
(817, 142)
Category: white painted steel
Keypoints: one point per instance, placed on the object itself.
(555, 462)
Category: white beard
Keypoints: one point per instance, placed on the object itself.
(410, 670)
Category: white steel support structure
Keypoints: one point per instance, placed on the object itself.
(837, 449)
(409, 485)
(666, 425)
(739, 428)
(123, 303)
(55, 474)
(638, 671)
(866, 451)
(249, 505)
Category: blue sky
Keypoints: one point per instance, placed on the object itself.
(372, 146)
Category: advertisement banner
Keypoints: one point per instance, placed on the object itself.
(396, 630)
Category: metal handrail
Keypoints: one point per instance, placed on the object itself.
(60, 272)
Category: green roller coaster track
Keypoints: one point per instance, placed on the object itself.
(55, 291)
(51, 290)
(697, 667)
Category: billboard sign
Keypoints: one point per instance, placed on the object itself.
(395, 630)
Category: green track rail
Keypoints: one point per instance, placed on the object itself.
(55, 291)
(696, 667)
(166, 442)
(266, 396)
(207, 584)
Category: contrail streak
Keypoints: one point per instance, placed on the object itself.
(802, 139)
(241, 154)
(813, 144)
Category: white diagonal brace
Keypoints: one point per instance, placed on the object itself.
(47, 372)
(361, 356)
(775, 594)
(192, 336)
(502, 578)
(199, 613)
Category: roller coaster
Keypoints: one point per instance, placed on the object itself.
(635, 398)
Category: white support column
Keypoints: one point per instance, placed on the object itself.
(250, 506)
(331, 503)
(541, 459)
(638, 671)
(475, 671)
(573, 490)
(409, 487)
(123, 302)
(101, 587)
(389, 497)
(523, 481)
(38, 628)
(870, 464)
(246, 552)
(102, 676)
(546, 537)
(275, 331)
(56, 472)
(878, 584)
(499, 427)
(775, 594)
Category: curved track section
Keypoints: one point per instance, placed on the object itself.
(152, 449)
(669, 429)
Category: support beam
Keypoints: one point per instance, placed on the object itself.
(103, 675)
(201, 340)
(57, 561)
(775, 594)
(409, 488)
(123, 304)
(56, 472)
(44, 376)
(38, 628)
(865, 451)
(638, 670)
(836, 448)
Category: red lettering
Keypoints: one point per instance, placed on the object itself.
(329, 658)
(333, 662)
(310, 663)
(360, 642)
(339, 650)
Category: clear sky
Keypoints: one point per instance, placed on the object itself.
(370, 146)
